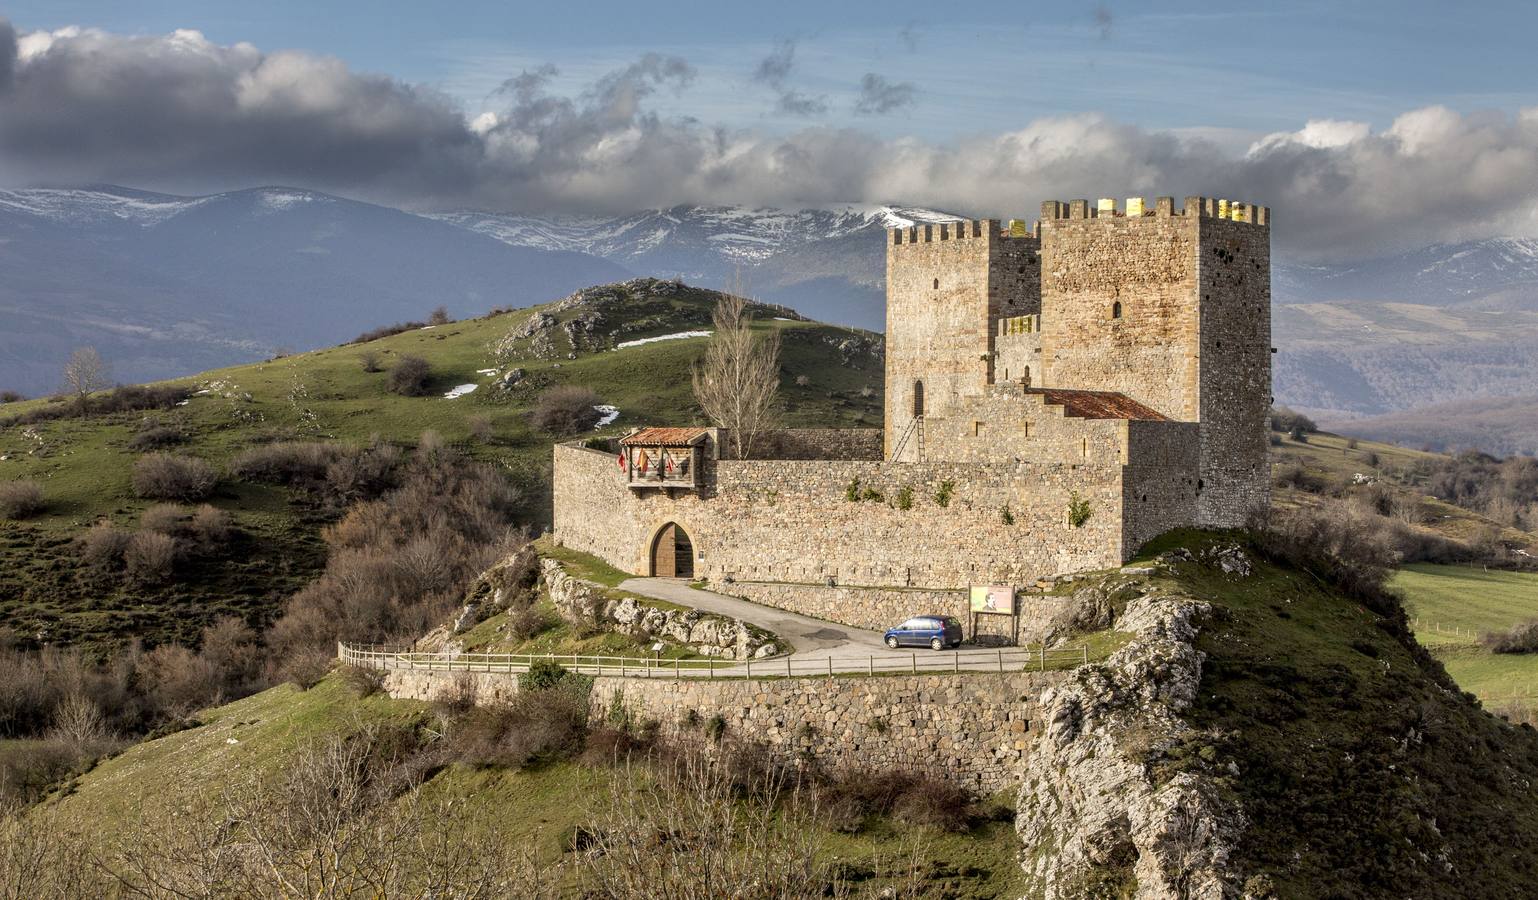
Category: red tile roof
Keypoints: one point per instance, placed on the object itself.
(665, 437)
(1097, 404)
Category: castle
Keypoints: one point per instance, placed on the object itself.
(1056, 396)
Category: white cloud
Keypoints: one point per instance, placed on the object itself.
(181, 112)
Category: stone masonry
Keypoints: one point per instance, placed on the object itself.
(1056, 396)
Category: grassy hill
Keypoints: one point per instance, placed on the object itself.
(85, 465)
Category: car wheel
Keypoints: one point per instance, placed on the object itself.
(936, 644)
(892, 642)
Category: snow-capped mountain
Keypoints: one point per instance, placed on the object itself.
(1496, 273)
(826, 262)
(166, 285)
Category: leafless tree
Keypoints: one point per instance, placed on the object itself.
(737, 382)
(85, 373)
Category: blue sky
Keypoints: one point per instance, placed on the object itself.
(1410, 122)
(1247, 66)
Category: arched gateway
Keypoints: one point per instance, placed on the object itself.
(672, 553)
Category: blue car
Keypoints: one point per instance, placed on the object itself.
(934, 632)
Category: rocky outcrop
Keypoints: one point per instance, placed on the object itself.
(585, 603)
(1093, 815)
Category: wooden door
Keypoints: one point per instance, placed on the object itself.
(665, 552)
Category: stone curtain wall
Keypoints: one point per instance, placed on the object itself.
(819, 443)
(972, 730)
(1148, 264)
(1009, 424)
(1159, 482)
(1235, 276)
(790, 520)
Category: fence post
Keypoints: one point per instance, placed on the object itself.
(1001, 662)
(915, 662)
(956, 661)
(1085, 650)
(830, 667)
(1043, 656)
(750, 667)
(710, 666)
(870, 665)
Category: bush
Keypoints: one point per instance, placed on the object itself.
(163, 518)
(909, 797)
(211, 526)
(1521, 638)
(523, 624)
(1078, 510)
(1288, 422)
(369, 359)
(363, 681)
(565, 410)
(546, 724)
(21, 499)
(543, 675)
(10, 397)
(149, 557)
(101, 549)
(385, 331)
(166, 476)
(1340, 546)
(439, 316)
(178, 681)
(480, 428)
(409, 376)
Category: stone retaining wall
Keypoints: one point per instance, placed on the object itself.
(971, 729)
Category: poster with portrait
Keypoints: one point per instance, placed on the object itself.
(993, 598)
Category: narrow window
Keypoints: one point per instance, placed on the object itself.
(937, 284)
(1116, 310)
(918, 398)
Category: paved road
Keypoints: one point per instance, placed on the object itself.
(808, 637)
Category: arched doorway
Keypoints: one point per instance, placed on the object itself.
(672, 553)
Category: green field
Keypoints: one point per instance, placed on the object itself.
(1451, 606)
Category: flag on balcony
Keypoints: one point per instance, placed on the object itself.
(643, 462)
(621, 460)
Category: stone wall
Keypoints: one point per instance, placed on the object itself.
(1235, 278)
(789, 520)
(880, 608)
(971, 729)
(819, 443)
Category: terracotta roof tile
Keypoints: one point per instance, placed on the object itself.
(1097, 404)
(665, 437)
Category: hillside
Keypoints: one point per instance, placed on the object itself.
(84, 465)
(1323, 751)
(1503, 426)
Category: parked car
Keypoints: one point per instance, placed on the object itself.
(934, 632)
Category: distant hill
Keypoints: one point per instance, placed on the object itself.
(165, 286)
(1502, 426)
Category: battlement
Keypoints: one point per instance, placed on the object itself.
(1163, 207)
(967, 229)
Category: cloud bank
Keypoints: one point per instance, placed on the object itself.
(179, 112)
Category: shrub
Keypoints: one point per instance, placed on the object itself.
(291, 463)
(904, 499)
(567, 409)
(1520, 638)
(21, 499)
(10, 397)
(852, 796)
(1298, 434)
(409, 376)
(178, 681)
(211, 526)
(1078, 510)
(369, 359)
(523, 624)
(532, 726)
(156, 437)
(385, 331)
(803, 381)
(149, 557)
(1287, 421)
(1294, 475)
(944, 493)
(852, 490)
(163, 518)
(1340, 546)
(439, 316)
(1005, 516)
(101, 549)
(480, 428)
(543, 675)
(166, 476)
(363, 681)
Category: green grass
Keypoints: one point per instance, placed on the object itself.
(84, 465)
(1451, 606)
(565, 639)
(536, 806)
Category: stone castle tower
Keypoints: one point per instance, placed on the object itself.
(1167, 307)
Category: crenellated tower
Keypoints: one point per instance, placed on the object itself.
(1171, 307)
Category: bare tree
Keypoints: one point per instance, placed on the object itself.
(737, 382)
(85, 373)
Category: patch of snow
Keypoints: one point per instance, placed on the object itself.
(783, 319)
(662, 337)
(460, 391)
(607, 415)
(427, 327)
(487, 372)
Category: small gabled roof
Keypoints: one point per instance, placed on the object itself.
(665, 437)
(1097, 404)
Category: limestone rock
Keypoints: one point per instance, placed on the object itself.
(1089, 805)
